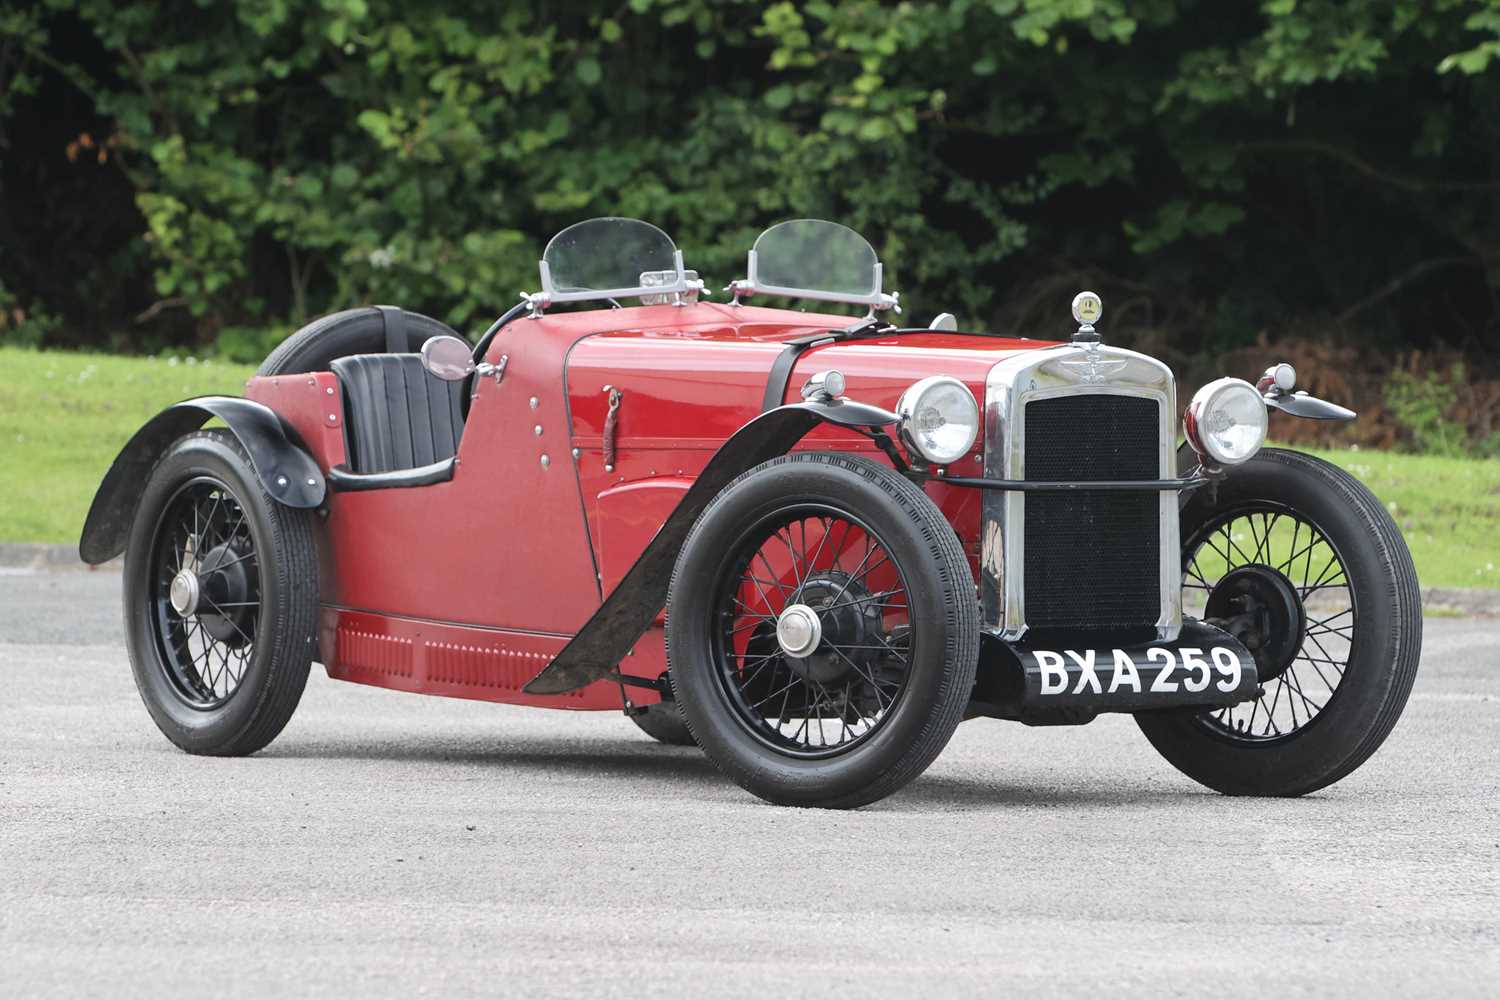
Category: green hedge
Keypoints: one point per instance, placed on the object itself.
(1213, 168)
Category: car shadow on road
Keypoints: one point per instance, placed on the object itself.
(946, 792)
(686, 770)
(618, 758)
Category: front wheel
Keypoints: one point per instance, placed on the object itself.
(1302, 563)
(221, 599)
(822, 631)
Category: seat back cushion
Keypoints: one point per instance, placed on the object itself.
(397, 414)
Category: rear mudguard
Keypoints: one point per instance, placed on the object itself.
(627, 613)
(286, 472)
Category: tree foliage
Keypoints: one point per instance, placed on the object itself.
(1214, 169)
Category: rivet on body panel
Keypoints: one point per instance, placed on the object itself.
(535, 402)
(546, 461)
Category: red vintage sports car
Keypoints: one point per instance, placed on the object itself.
(812, 544)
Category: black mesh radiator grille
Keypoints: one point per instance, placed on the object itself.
(1092, 559)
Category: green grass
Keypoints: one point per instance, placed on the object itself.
(1448, 509)
(64, 416)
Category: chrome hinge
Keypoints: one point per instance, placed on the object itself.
(485, 370)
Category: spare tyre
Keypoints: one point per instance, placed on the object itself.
(366, 330)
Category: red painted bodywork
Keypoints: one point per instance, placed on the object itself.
(467, 588)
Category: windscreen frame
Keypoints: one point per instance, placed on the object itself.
(753, 284)
(682, 283)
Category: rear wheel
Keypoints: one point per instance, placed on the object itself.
(822, 631)
(1303, 564)
(353, 331)
(221, 600)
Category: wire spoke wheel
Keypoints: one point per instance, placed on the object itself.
(822, 630)
(1297, 560)
(1273, 578)
(221, 599)
(204, 592)
(813, 644)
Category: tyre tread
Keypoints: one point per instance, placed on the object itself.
(1403, 588)
(351, 331)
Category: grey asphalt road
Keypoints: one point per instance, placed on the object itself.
(393, 845)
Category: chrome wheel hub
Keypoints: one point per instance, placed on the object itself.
(798, 630)
(184, 593)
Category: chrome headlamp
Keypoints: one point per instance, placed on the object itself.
(939, 418)
(1226, 421)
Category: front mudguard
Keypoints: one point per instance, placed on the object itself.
(627, 613)
(287, 472)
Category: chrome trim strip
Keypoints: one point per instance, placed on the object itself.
(1062, 371)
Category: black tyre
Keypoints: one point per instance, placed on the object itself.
(822, 631)
(663, 723)
(221, 600)
(353, 331)
(1316, 580)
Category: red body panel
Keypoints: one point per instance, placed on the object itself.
(460, 588)
(441, 658)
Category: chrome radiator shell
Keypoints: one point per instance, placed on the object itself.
(1045, 374)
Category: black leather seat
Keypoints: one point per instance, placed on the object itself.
(397, 415)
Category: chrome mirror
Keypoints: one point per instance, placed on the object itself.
(449, 358)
